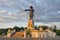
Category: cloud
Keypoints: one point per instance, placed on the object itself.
(45, 10)
(12, 11)
(11, 15)
(1, 18)
(7, 17)
(3, 11)
(58, 11)
(8, 3)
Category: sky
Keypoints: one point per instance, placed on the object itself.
(12, 12)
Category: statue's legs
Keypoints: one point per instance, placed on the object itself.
(31, 16)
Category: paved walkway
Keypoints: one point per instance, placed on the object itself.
(4, 38)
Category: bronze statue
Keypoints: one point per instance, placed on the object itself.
(31, 12)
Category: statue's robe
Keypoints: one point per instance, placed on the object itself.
(31, 13)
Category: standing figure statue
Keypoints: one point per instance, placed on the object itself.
(31, 12)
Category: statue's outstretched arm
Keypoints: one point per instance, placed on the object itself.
(27, 10)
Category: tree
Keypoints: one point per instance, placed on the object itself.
(36, 27)
(54, 28)
(44, 27)
(16, 28)
(28, 33)
(58, 32)
(25, 28)
(22, 28)
(3, 31)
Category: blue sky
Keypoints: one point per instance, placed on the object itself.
(12, 12)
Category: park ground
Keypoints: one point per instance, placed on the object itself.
(6, 38)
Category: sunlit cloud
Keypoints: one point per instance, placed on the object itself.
(45, 10)
(1, 18)
(3, 11)
(58, 11)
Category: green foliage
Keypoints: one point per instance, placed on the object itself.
(45, 27)
(55, 29)
(25, 28)
(28, 33)
(58, 32)
(3, 31)
(36, 27)
(18, 28)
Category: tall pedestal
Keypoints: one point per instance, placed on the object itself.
(30, 24)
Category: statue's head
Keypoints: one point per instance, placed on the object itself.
(31, 6)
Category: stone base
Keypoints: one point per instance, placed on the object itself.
(30, 24)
